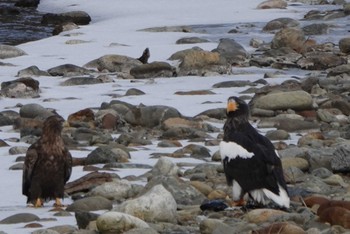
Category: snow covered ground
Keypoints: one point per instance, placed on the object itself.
(119, 22)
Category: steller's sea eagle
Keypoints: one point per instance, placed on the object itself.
(251, 164)
(47, 165)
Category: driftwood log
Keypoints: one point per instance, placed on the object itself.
(87, 182)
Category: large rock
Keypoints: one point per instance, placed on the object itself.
(183, 192)
(340, 161)
(296, 100)
(270, 4)
(198, 62)
(320, 61)
(114, 63)
(232, 51)
(152, 70)
(344, 45)
(280, 23)
(117, 190)
(68, 70)
(150, 116)
(20, 88)
(90, 204)
(289, 37)
(117, 223)
(77, 17)
(107, 154)
(157, 205)
(7, 51)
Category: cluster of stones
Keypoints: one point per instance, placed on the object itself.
(316, 167)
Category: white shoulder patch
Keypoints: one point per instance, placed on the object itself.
(233, 150)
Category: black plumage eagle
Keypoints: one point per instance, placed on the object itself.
(47, 165)
(251, 164)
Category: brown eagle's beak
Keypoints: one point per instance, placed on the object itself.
(231, 105)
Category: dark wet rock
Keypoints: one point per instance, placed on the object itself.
(27, 3)
(219, 113)
(34, 110)
(280, 23)
(320, 61)
(90, 204)
(68, 70)
(340, 161)
(150, 116)
(77, 17)
(152, 70)
(107, 154)
(90, 136)
(324, 15)
(232, 51)
(340, 70)
(289, 37)
(20, 88)
(20, 218)
(134, 138)
(81, 81)
(295, 125)
(83, 218)
(29, 82)
(32, 71)
(195, 151)
(191, 40)
(234, 83)
(7, 51)
(316, 29)
(344, 45)
(114, 63)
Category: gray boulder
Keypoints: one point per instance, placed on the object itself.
(117, 222)
(232, 51)
(156, 205)
(7, 51)
(296, 100)
(150, 116)
(152, 70)
(107, 154)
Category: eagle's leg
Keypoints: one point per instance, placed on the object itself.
(38, 203)
(58, 202)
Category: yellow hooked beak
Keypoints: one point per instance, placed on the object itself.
(231, 105)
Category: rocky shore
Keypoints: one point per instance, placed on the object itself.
(173, 197)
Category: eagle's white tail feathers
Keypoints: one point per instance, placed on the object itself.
(261, 195)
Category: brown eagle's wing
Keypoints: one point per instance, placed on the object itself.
(68, 165)
(28, 168)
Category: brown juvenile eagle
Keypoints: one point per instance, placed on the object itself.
(47, 166)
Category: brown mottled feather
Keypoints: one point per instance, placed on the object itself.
(48, 164)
